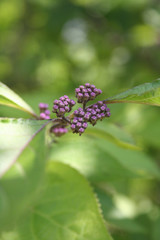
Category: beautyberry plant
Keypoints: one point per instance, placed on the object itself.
(78, 121)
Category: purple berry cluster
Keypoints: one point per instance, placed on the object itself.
(96, 112)
(59, 131)
(87, 93)
(44, 112)
(63, 105)
(78, 124)
(79, 120)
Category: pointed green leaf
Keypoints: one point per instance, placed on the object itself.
(11, 99)
(19, 186)
(147, 93)
(65, 209)
(15, 134)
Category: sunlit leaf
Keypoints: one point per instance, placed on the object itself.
(15, 134)
(11, 99)
(147, 93)
(20, 184)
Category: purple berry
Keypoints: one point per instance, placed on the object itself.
(84, 125)
(42, 116)
(47, 112)
(87, 85)
(73, 126)
(81, 130)
(72, 102)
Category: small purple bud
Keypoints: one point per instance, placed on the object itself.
(98, 116)
(96, 91)
(89, 90)
(84, 125)
(103, 108)
(55, 107)
(102, 115)
(107, 109)
(42, 116)
(80, 95)
(93, 95)
(94, 118)
(81, 113)
(93, 112)
(80, 119)
(47, 112)
(87, 85)
(81, 130)
(77, 90)
(80, 109)
(72, 102)
(92, 86)
(95, 106)
(41, 105)
(79, 124)
(67, 109)
(98, 110)
(99, 91)
(56, 101)
(100, 103)
(89, 109)
(66, 97)
(73, 126)
(76, 112)
(62, 98)
(65, 103)
(86, 96)
(47, 117)
(75, 120)
(84, 90)
(87, 116)
(108, 114)
(81, 87)
(45, 105)
(61, 104)
(62, 110)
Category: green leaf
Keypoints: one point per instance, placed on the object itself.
(100, 160)
(147, 93)
(20, 184)
(11, 99)
(136, 161)
(90, 159)
(114, 134)
(66, 208)
(15, 134)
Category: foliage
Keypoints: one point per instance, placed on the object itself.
(58, 201)
(47, 49)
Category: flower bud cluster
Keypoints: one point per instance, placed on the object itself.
(59, 131)
(87, 93)
(96, 112)
(44, 112)
(78, 124)
(63, 105)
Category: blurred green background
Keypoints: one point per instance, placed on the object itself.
(49, 47)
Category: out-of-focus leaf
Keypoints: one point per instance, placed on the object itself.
(113, 134)
(135, 161)
(147, 93)
(11, 99)
(101, 160)
(20, 184)
(66, 208)
(14, 136)
(90, 158)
